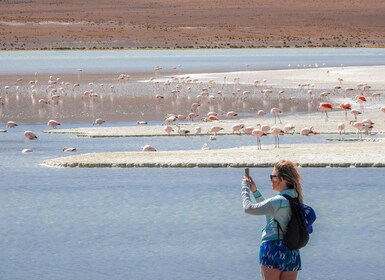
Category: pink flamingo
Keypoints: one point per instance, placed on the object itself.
(289, 128)
(382, 109)
(275, 112)
(11, 124)
(168, 129)
(257, 133)
(341, 128)
(30, 135)
(53, 123)
(148, 148)
(325, 107)
(215, 129)
(355, 112)
(261, 113)
(306, 131)
(231, 114)
(346, 106)
(192, 116)
(248, 130)
(238, 127)
(276, 131)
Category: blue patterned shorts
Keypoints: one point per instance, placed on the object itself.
(275, 254)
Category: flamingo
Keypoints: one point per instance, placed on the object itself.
(359, 126)
(99, 122)
(215, 129)
(355, 112)
(306, 131)
(53, 123)
(346, 106)
(261, 113)
(30, 135)
(264, 127)
(289, 128)
(170, 119)
(237, 128)
(325, 107)
(231, 114)
(248, 130)
(168, 129)
(361, 100)
(192, 116)
(276, 131)
(382, 109)
(182, 131)
(24, 151)
(11, 124)
(257, 133)
(148, 148)
(275, 112)
(65, 149)
(341, 128)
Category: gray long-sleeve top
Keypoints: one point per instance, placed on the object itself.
(276, 207)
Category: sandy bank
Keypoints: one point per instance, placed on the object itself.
(358, 154)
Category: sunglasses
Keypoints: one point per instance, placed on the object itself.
(273, 176)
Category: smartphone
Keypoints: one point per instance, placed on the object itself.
(247, 172)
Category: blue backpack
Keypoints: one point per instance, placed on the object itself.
(299, 226)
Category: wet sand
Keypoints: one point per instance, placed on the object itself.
(352, 150)
(40, 24)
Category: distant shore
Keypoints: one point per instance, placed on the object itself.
(144, 24)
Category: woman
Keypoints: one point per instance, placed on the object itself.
(276, 260)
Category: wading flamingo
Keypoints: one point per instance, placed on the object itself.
(346, 106)
(325, 107)
(53, 123)
(99, 122)
(275, 112)
(257, 133)
(182, 131)
(276, 131)
(238, 127)
(11, 124)
(30, 135)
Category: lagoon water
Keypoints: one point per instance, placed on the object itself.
(144, 223)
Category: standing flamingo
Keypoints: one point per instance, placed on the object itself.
(341, 128)
(11, 124)
(325, 107)
(238, 127)
(346, 106)
(168, 129)
(276, 131)
(289, 128)
(355, 112)
(215, 129)
(257, 133)
(182, 131)
(275, 112)
(53, 123)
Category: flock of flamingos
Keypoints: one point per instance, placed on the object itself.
(202, 96)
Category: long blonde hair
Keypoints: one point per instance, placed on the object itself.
(288, 171)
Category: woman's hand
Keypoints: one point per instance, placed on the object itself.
(253, 186)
